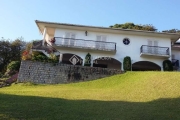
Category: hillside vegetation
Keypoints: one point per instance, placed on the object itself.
(133, 95)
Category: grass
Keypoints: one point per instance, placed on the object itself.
(133, 95)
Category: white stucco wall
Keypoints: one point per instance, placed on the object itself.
(132, 50)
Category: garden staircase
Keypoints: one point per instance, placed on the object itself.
(46, 49)
(9, 81)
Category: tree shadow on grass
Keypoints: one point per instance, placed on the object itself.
(41, 108)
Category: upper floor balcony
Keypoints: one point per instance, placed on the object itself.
(72, 43)
(155, 51)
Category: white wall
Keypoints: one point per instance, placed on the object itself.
(48, 37)
(132, 50)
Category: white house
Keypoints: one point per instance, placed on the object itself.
(109, 46)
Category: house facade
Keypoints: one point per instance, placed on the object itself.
(109, 46)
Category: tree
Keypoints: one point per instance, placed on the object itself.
(172, 31)
(87, 60)
(146, 27)
(17, 46)
(127, 63)
(5, 54)
(10, 51)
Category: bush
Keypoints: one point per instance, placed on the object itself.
(53, 58)
(12, 68)
(14, 65)
(38, 56)
(167, 65)
(26, 55)
(87, 60)
(127, 63)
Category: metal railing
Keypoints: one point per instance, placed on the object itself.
(37, 45)
(85, 44)
(155, 50)
(175, 63)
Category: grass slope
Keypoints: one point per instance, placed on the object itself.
(133, 95)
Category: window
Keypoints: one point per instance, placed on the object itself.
(100, 44)
(69, 39)
(101, 38)
(126, 41)
(152, 47)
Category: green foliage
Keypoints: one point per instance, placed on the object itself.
(172, 31)
(167, 65)
(87, 60)
(10, 51)
(127, 63)
(28, 46)
(14, 65)
(146, 27)
(39, 56)
(53, 58)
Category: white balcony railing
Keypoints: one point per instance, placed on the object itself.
(85, 44)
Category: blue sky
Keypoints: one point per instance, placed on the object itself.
(17, 16)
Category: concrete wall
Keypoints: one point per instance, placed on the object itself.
(38, 72)
(132, 50)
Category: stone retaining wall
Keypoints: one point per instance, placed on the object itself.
(39, 72)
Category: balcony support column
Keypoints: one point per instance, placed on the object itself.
(44, 36)
(60, 58)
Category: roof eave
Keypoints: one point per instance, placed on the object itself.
(173, 36)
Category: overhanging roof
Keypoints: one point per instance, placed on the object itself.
(41, 24)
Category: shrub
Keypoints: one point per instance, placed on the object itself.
(167, 65)
(14, 65)
(53, 58)
(87, 60)
(26, 55)
(127, 63)
(38, 56)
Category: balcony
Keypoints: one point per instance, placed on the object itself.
(155, 51)
(84, 44)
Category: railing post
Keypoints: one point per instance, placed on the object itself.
(167, 51)
(99, 45)
(177, 63)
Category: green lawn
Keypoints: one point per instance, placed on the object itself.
(130, 96)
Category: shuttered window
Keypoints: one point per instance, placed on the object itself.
(69, 39)
(153, 47)
(100, 44)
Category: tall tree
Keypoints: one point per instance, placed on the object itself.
(16, 49)
(147, 27)
(10, 51)
(5, 53)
